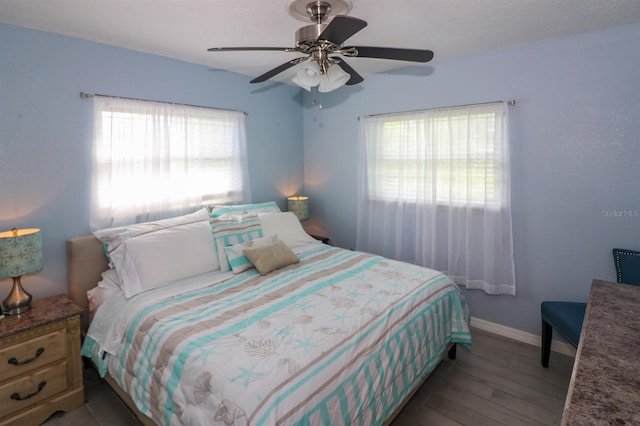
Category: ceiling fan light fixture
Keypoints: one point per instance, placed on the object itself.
(321, 41)
(334, 78)
(308, 76)
(298, 8)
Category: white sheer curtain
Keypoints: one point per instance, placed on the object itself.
(434, 190)
(154, 159)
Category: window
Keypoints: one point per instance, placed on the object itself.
(434, 190)
(152, 159)
(449, 156)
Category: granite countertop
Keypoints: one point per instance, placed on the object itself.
(43, 311)
(605, 383)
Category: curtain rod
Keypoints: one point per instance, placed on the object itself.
(84, 95)
(510, 102)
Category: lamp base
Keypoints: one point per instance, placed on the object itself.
(18, 301)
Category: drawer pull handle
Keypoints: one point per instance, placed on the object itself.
(17, 396)
(14, 361)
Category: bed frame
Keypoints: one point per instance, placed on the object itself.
(86, 261)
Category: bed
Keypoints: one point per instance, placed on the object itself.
(331, 337)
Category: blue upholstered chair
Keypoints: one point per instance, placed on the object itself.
(567, 317)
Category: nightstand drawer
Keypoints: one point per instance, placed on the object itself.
(31, 354)
(40, 364)
(24, 392)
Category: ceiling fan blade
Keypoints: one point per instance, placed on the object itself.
(278, 70)
(240, 49)
(341, 28)
(355, 77)
(413, 55)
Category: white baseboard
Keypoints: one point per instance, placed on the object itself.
(521, 336)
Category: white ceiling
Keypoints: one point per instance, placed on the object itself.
(184, 29)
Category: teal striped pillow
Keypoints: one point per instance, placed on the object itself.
(237, 260)
(228, 232)
(244, 209)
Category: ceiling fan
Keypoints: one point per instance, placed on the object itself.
(321, 43)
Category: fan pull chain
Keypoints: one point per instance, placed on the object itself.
(319, 101)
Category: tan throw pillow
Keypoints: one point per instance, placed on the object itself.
(270, 257)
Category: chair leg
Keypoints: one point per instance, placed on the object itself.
(452, 351)
(547, 333)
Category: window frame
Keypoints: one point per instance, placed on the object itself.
(170, 155)
(493, 157)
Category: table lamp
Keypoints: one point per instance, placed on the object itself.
(20, 254)
(299, 205)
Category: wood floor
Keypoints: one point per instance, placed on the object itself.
(499, 382)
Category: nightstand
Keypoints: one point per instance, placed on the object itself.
(325, 240)
(40, 364)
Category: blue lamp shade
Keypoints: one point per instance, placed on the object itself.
(20, 254)
(299, 205)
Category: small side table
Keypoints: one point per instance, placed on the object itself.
(40, 364)
(325, 240)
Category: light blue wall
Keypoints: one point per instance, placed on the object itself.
(575, 135)
(575, 138)
(45, 131)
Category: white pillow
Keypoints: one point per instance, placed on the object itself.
(110, 280)
(108, 286)
(97, 297)
(287, 227)
(158, 258)
(112, 237)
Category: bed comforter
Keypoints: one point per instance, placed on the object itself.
(339, 338)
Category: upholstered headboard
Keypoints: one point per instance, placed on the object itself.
(86, 262)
